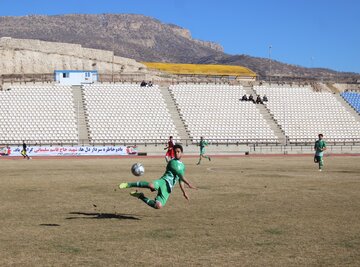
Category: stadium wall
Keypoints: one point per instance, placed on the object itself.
(189, 150)
(22, 56)
(240, 150)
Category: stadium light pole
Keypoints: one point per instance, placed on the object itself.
(270, 64)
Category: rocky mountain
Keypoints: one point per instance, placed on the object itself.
(133, 36)
(145, 39)
(280, 71)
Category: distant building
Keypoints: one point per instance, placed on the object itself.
(75, 77)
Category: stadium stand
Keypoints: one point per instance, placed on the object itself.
(353, 98)
(215, 112)
(127, 113)
(303, 114)
(38, 114)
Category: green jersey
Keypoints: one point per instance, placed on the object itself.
(175, 170)
(202, 145)
(319, 145)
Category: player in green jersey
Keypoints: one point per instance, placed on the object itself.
(202, 145)
(175, 170)
(319, 147)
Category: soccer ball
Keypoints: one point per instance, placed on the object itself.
(137, 169)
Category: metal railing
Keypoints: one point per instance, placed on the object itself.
(329, 141)
(186, 142)
(134, 141)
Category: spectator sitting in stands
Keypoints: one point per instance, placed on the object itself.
(244, 98)
(251, 98)
(258, 100)
(149, 84)
(265, 99)
(143, 84)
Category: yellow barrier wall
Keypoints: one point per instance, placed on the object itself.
(201, 69)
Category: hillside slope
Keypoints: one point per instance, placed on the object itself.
(147, 39)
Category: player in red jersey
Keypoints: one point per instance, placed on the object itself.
(170, 149)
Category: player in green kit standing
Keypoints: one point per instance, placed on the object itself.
(202, 145)
(174, 173)
(319, 147)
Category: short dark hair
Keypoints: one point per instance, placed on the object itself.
(178, 146)
(321, 135)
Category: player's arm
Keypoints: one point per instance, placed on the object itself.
(181, 183)
(183, 179)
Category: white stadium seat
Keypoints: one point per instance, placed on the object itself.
(127, 112)
(215, 112)
(36, 113)
(303, 114)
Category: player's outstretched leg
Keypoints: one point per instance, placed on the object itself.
(141, 184)
(141, 196)
(137, 194)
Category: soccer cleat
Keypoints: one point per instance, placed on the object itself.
(209, 159)
(137, 194)
(123, 185)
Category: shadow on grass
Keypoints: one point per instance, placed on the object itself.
(99, 215)
(346, 171)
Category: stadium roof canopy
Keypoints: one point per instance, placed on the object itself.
(201, 69)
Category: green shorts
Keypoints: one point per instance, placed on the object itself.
(202, 151)
(317, 159)
(163, 190)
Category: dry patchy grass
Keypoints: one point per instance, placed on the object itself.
(273, 211)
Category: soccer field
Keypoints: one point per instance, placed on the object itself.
(248, 211)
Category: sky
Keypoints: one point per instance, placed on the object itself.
(308, 33)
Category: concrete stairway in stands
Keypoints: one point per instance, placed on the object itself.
(80, 115)
(268, 117)
(170, 103)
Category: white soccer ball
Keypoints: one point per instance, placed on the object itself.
(137, 169)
